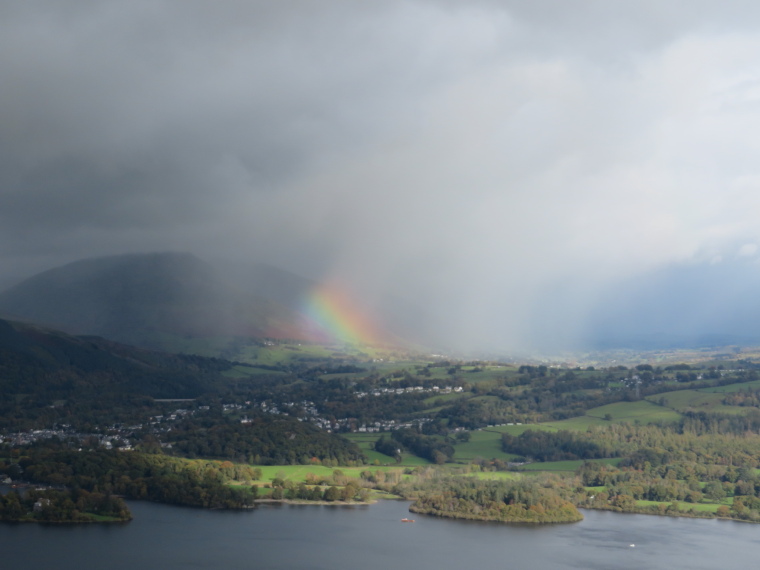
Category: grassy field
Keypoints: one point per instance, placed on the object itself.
(494, 475)
(366, 441)
(518, 429)
(440, 399)
(564, 465)
(754, 385)
(485, 373)
(298, 473)
(699, 507)
(695, 400)
(643, 411)
(483, 444)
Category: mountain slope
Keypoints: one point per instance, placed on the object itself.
(138, 298)
(47, 374)
(269, 282)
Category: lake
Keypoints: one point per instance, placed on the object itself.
(373, 538)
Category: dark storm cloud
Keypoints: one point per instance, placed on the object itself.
(472, 157)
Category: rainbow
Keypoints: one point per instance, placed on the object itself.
(334, 313)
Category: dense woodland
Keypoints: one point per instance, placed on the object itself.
(62, 506)
(263, 440)
(135, 475)
(700, 459)
(48, 377)
(535, 500)
(435, 450)
(551, 446)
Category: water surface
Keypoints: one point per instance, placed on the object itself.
(373, 538)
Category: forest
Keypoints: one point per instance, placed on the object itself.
(536, 500)
(62, 506)
(262, 440)
(134, 475)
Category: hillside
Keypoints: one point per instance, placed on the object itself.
(48, 375)
(148, 299)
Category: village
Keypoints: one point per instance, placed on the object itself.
(122, 437)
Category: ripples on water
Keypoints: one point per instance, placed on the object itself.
(373, 538)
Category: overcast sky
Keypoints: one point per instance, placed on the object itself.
(498, 164)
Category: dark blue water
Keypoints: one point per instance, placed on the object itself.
(373, 538)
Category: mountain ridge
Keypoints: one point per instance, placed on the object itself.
(135, 297)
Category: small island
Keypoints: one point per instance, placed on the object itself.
(518, 501)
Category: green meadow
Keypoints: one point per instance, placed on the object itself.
(571, 465)
(754, 385)
(366, 442)
(517, 429)
(642, 411)
(698, 507)
(493, 475)
(485, 444)
(695, 400)
(297, 473)
(441, 399)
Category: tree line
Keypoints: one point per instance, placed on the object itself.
(62, 506)
(136, 475)
(534, 500)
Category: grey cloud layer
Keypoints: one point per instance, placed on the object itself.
(475, 158)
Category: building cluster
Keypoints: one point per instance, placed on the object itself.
(306, 411)
(408, 390)
(390, 425)
(116, 439)
(118, 436)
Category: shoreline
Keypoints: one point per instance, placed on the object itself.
(305, 502)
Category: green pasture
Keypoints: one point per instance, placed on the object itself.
(485, 444)
(754, 385)
(297, 473)
(494, 475)
(440, 399)
(570, 465)
(642, 411)
(470, 374)
(695, 400)
(699, 507)
(366, 441)
(484, 374)
(486, 399)
(517, 429)
(409, 460)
